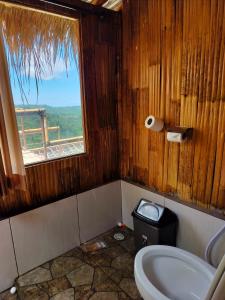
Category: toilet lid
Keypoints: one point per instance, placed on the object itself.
(150, 210)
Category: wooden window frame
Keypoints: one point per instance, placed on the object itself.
(73, 11)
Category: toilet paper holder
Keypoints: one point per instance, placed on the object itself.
(179, 134)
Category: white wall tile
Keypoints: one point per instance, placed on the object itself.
(195, 227)
(8, 270)
(44, 233)
(131, 194)
(99, 210)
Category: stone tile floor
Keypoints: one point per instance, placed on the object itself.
(106, 274)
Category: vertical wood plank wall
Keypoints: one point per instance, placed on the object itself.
(57, 179)
(174, 68)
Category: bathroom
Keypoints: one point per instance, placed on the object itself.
(152, 127)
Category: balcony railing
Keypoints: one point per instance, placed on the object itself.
(51, 149)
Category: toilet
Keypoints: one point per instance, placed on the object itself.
(169, 273)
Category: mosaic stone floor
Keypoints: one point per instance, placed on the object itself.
(106, 274)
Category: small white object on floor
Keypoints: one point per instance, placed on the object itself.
(13, 290)
(119, 236)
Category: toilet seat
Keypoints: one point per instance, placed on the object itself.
(165, 273)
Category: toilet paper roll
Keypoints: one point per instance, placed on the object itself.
(154, 123)
(175, 137)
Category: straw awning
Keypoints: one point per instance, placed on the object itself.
(109, 4)
(36, 39)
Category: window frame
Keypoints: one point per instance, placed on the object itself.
(62, 11)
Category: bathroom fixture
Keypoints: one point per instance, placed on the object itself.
(215, 249)
(169, 273)
(154, 224)
(179, 134)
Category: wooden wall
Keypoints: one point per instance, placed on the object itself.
(61, 178)
(174, 68)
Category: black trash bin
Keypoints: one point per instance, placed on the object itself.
(154, 224)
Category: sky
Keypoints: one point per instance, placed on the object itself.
(60, 88)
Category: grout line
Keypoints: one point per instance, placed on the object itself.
(14, 250)
(121, 201)
(78, 217)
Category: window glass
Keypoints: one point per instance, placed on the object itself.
(50, 122)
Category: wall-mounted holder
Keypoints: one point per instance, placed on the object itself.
(179, 134)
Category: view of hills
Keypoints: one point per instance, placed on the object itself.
(68, 118)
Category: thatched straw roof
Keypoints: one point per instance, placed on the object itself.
(110, 4)
(37, 38)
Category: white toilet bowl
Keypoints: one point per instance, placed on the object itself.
(165, 273)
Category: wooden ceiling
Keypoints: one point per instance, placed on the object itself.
(109, 4)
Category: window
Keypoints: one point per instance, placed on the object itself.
(43, 63)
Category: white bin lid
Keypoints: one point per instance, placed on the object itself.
(150, 210)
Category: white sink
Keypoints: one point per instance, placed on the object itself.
(163, 273)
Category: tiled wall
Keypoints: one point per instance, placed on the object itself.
(44, 233)
(34, 237)
(8, 269)
(99, 210)
(195, 227)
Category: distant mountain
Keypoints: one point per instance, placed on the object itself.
(68, 118)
